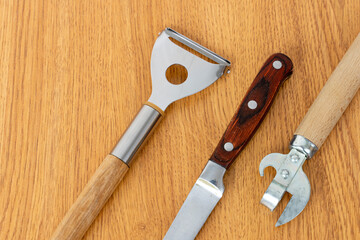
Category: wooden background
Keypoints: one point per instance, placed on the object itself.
(74, 73)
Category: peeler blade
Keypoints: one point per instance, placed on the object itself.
(201, 73)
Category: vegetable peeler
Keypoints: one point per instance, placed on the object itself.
(165, 53)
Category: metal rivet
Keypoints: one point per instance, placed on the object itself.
(228, 146)
(277, 64)
(294, 158)
(252, 104)
(285, 173)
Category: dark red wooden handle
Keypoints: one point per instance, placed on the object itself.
(252, 109)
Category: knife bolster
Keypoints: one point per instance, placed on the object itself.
(213, 173)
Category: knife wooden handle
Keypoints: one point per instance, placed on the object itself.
(92, 199)
(252, 109)
(334, 97)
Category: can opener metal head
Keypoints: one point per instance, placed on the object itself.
(290, 177)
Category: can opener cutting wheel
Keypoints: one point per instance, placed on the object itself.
(165, 53)
(317, 124)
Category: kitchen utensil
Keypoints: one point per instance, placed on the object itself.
(209, 187)
(317, 124)
(201, 74)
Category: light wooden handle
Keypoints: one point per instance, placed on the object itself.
(92, 199)
(334, 98)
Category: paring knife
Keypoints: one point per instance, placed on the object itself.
(209, 187)
(317, 124)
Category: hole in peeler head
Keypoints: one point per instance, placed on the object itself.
(176, 74)
(196, 53)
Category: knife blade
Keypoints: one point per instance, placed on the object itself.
(209, 187)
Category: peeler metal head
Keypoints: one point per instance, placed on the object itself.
(289, 178)
(201, 73)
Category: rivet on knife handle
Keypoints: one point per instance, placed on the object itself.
(166, 53)
(209, 187)
(317, 124)
(253, 109)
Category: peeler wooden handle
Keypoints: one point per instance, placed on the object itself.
(92, 199)
(252, 109)
(108, 175)
(334, 98)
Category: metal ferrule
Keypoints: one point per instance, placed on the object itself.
(136, 134)
(303, 145)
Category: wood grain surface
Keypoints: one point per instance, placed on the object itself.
(73, 74)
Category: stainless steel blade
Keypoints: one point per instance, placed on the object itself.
(200, 202)
(201, 73)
